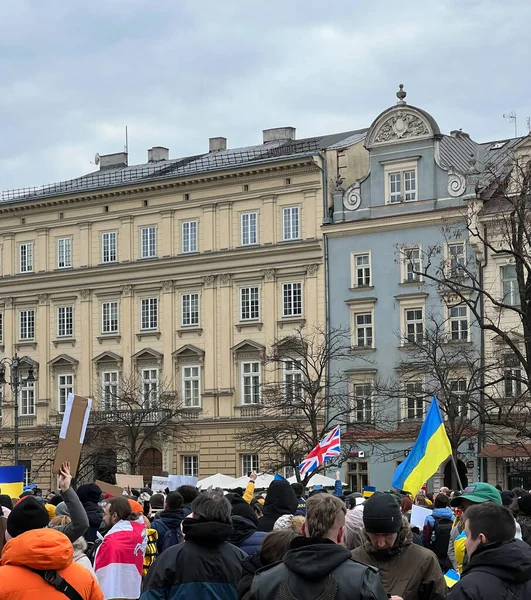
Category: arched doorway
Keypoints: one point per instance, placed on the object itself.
(450, 480)
(150, 464)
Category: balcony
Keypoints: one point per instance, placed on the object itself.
(248, 411)
(128, 416)
(27, 421)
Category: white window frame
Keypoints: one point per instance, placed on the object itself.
(418, 408)
(408, 265)
(149, 377)
(292, 300)
(453, 386)
(418, 336)
(65, 386)
(400, 172)
(107, 320)
(455, 261)
(189, 231)
(26, 257)
(459, 324)
(291, 223)
(190, 465)
(363, 332)
(362, 401)
(252, 462)
(64, 253)
(27, 398)
(250, 303)
(293, 381)
(65, 321)
(249, 380)
(149, 313)
(26, 324)
(109, 390)
(148, 241)
(361, 272)
(190, 309)
(510, 295)
(249, 228)
(109, 247)
(191, 386)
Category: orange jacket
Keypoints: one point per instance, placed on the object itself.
(43, 549)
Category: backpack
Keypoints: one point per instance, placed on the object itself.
(92, 547)
(172, 536)
(151, 550)
(440, 537)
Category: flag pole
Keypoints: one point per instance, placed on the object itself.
(456, 472)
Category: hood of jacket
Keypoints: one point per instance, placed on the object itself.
(315, 558)
(251, 564)
(280, 499)
(94, 513)
(403, 539)
(241, 508)
(206, 533)
(89, 492)
(443, 513)
(172, 518)
(43, 549)
(509, 561)
(242, 528)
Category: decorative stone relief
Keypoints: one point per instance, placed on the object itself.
(269, 274)
(224, 279)
(127, 290)
(209, 280)
(167, 286)
(456, 184)
(352, 197)
(9, 302)
(311, 270)
(43, 299)
(85, 294)
(401, 125)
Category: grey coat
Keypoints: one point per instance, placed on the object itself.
(79, 524)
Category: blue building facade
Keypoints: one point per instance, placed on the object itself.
(405, 219)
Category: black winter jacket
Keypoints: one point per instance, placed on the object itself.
(89, 494)
(249, 568)
(280, 500)
(316, 568)
(494, 571)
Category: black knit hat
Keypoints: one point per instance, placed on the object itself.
(524, 504)
(381, 514)
(27, 514)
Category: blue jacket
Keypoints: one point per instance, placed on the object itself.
(429, 523)
(245, 535)
(167, 519)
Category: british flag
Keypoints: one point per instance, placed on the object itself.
(328, 447)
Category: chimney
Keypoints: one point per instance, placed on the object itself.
(217, 144)
(456, 133)
(279, 134)
(158, 153)
(113, 161)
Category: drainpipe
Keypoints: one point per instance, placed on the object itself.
(483, 471)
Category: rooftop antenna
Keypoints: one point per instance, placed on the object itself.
(126, 147)
(512, 119)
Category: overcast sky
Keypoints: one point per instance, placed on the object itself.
(176, 72)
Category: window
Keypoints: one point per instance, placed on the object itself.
(363, 333)
(362, 270)
(402, 186)
(108, 247)
(26, 257)
(249, 464)
(459, 323)
(148, 237)
(249, 232)
(512, 376)
(192, 386)
(149, 313)
(358, 472)
(27, 398)
(362, 402)
(64, 253)
(458, 398)
(150, 386)
(292, 380)
(249, 304)
(251, 382)
(191, 466)
(189, 236)
(65, 321)
(456, 258)
(109, 388)
(27, 471)
(190, 310)
(414, 400)
(66, 386)
(414, 325)
(511, 292)
(109, 317)
(291, 299)
(291, 225)
(27, 324)
(289, 471)
(411, 264)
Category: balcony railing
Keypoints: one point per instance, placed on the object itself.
(27, 421)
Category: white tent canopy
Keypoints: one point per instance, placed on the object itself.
(263, 481)
(217, 481)
(318, 480)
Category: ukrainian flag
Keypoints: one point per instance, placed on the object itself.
(430, 450)
(12, 481)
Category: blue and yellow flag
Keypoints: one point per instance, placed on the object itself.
(12, 481)
(430, 450)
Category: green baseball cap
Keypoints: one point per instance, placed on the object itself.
(478, 493)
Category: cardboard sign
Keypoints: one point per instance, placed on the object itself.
(72, 434)
(135, 482)
(108, 488)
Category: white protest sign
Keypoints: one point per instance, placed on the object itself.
(418, 516)
(176, 481)
(159, 483)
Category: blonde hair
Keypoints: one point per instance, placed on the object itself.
(321, 513)
(60, 521)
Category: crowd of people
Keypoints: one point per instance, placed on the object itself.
(187, 544)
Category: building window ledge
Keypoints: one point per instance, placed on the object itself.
(115, 337)
(249, 324)
(27, 344)
(196, 330)
(459, 343)
(60, 341)
(361, 288)
(146, 335)
(291, 321)
(412, 282)
(362, 349)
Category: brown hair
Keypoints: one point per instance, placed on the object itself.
(406, 504)
(122, 508)
(275, 545)
(321, 514)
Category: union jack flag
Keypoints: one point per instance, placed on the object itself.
(328, 447)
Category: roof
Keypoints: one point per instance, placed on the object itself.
(515, 450)
(458, 152)
(182, 167)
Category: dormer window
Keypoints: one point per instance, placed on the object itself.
(401, 181)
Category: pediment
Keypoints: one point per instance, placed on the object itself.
(147, 354)
(188, 349)
(248, 346)
(107, 357)
(63, 359)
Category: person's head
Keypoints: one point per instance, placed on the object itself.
(442, 501)
(406, 504)
(275, 545)
(488, 523)
(354, 499)
(298, 489)
(56, 500)
(174, 501)
(420, 500)
(508, 497)
(61, 510)
(59, 521)
(444, 490)
(157, 501)
(325, 518)
(89, 492)
(116, 509)
(524, 504)
(519, 492)
(188, 492)
(6, 501)
(212, 507)
(429, 496)
(382, 520)
(455, 494)
(353, 534)
(27, 514)
(49, 496)
(476, 493)
(136, 507)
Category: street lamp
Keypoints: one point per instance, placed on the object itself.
(14, 364)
